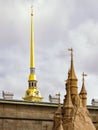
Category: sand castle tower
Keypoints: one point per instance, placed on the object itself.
(74, 113)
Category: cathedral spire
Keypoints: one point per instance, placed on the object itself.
(32, 93)
(32, 75)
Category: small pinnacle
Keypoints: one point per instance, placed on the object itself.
(84, 75)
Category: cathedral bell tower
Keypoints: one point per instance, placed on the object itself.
(32, 93)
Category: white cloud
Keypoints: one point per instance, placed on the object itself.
(84, 39)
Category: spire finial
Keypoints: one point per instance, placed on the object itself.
(71, 50)
(32, 10)
(83, 75)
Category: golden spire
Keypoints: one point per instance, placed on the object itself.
(32, 63)
(32, 75)
(32, 93)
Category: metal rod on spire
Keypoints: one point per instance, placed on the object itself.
(83, 76)
(32, 62)
(32, 10)
(71, 50)
(32, 75)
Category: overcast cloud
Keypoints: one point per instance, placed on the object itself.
(58, 25)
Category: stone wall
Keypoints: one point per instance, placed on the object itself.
(22, 115)
(94, 115)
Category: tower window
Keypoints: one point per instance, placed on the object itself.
(29, 84)
(32, 84)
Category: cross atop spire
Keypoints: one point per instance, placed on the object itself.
(83, 75)
(71, 50)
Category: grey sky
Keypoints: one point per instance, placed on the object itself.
(58, 25)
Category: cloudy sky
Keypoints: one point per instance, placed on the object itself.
(58, 25)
